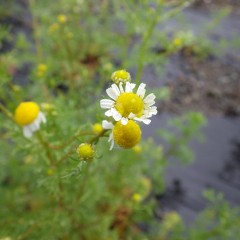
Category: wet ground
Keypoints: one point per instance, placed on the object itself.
(210, 85)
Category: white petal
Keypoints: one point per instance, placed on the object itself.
(107, 125)
(124, 121)
(141, 90)
(27, 132)
(106, 103)
(116, 115)
(121, 87)
(112, 93)
(110, 137)
(112, 144)
(116, 89)
(108, 113)
(149, 104)
(42, 117)
(153, 111)
(149, 98)
(34, 126)
(131, 115)
(129, 87)
(144, 120)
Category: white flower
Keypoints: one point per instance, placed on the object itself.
(29, 117)
(125, 104)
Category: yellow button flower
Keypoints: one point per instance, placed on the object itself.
(137, 197)
(121, 76)
(85, 151)
(29, 116)
(41, 69)
(97, 128)
(53, 28)
(137, 149)
(126, 136)
(62, 18)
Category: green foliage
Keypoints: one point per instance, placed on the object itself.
(46, 191)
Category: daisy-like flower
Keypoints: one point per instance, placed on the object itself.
(121, 76)
(29, 116)
(125, 104)
(125, 136)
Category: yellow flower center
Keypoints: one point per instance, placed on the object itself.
(121, 76)
(85, 151)
(26, 113)
(97, 128)
(128, 103)
(126, 136)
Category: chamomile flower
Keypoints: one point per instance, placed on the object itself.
(125, 104)
(29, 116)
(125, 136)
(121, 76)
(85, 151)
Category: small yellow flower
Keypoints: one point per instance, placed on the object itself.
(177, 42)
(125, 136)
(29, 116)
(97, 128)
(121, 76)
(16, 88)
(50, 172)
(47, 107)
(62, 18)
(41, 69)
(53, 28)
(28, 160)
(85, 151)
(170, 220)
(137, 149)
(137, 197)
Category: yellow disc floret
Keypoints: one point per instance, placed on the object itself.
(62, 18)
(26, 113)
(121, 76)
(128, 103)
(97, 128)
(85, 151)
(126, 136)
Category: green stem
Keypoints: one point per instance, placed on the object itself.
(156, 19)
(45, 146)
(6, 112)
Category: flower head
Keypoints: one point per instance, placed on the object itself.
(121, 76)
(125, 104)
(41, 69)
(53, 28)
(29, 116)
(137, 197)
(62, 18)
(125, 136)
(85, 151)
(97, 128)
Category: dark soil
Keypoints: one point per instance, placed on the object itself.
(210, 85)
(215, 4)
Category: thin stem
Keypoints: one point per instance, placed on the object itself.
(45, 146)
(70, 140)
(156, 19)
(6, 112)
